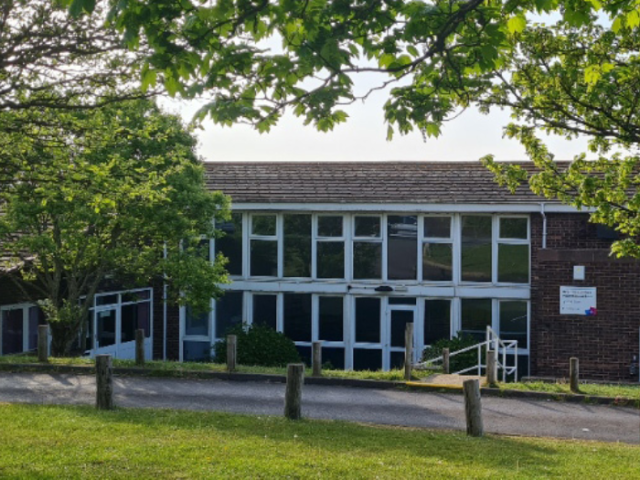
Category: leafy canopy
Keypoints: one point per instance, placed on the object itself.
(563, 67)
(120, 196)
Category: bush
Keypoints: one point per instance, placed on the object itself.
(259, 345)
(459, 362)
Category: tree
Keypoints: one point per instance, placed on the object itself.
(565, 67)
(122, 201)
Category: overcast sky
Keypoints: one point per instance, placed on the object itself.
(363, 138)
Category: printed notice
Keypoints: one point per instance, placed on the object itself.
(578, 301)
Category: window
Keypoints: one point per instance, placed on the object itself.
(437, 320)
(330, 319)
(12, 331)
(133, 317)
(297, 316)
(513, 250)
(297, 245)
(265, 310)
(476, 260)
(402, 243)
(476, 317)
(437, 249)
(228, 312)
(230, 245)
(367, 248)
(264, 246)
(330, 247)
(196, 324)
(513, 322)
(367, 320)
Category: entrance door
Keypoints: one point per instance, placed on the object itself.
(398, 316)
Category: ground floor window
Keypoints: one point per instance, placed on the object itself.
(366, 332)
(113, 321)
(19, 328)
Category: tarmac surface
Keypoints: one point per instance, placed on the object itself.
(389, 407)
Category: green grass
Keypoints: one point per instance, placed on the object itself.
(179, 369)
(80, 442)
(601, 390)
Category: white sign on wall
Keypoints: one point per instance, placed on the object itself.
(578, 301)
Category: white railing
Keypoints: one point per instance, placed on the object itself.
(503, 349)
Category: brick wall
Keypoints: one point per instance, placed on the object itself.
(604, 343)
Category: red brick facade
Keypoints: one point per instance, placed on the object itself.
(604, 343)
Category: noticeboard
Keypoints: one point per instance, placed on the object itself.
(578, 301)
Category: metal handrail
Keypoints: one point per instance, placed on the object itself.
(492, 342)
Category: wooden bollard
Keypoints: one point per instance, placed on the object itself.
(491, 367)
(408, 350)
(473, 408)
(574, 374)
(293, 394)
(317, 359)
(445, 361)
(140, 347)
(232, 352)
(104, 383)
(43, 343)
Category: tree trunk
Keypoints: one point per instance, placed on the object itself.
(62, 337)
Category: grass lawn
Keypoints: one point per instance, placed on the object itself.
(601, 390)
(80, 442)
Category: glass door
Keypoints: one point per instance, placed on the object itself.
(398, 316)
(106, 330)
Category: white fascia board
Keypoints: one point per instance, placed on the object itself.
(411, 207)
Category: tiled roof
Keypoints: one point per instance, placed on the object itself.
(361, 182)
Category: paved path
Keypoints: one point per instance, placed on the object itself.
(392, 407)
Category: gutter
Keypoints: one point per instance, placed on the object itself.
(544, 226)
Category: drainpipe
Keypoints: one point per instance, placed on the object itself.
(544, 226)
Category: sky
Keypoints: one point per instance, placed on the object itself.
(363, 138)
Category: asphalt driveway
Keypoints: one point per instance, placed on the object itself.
(389, 407)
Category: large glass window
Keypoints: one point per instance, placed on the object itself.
(476, 317)
(12, 331)
(106, 327)
(196, 323)
(297, 316)
(133, 317)
(476, 248)
(264, 246)
(437, 249)
(367, 248)
(437, 320)
(402, 247)
(228, 312)
(513, 322)
(297, 245)
(330, 247)
(230, 245)
(330, 319)
(513, 250)
(265, 310)
(367, 320)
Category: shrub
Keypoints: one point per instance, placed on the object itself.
(459, 362)
(259, 345)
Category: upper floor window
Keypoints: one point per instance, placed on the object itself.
(513, 250)
(476, 248)
(402, 247)
(297, 245)
(263, 244)
(437, 249)
(330, 247)
(367, 247)
(230, 245)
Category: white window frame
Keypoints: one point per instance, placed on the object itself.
(277, 238)
(511, 241)
(451, 240)
(381, 239)
(316, 238)
(25, 307)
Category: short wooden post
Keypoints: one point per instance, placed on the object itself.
(293, 394)
(473, 408)
(574, 374)
(104, 383)
(492, 371)
(317, 359)
(43, 343)
(408, 350)
(140, 347)
(232, 352)
(445, 361)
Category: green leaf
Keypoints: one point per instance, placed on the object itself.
(517, 24)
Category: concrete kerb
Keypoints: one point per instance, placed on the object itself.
(345, 382)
